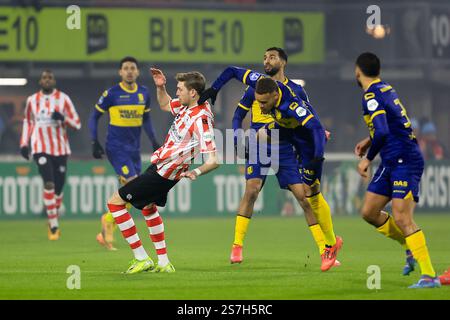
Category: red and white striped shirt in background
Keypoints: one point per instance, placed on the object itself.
(191, 132)
(47, 135)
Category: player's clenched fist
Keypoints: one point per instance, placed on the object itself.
(97, 150)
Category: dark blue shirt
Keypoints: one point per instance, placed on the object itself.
(389, 125)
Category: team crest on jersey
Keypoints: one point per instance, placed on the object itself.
(250, 170)
(300, 111)
(372, 105)
(141, 97)
(254, 76)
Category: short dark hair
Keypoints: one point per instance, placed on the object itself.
(128, 59)
(266, 85)
(369, 64)
(192, 80)
(283, 55)
(46, 71)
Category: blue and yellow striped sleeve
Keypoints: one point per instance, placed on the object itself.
(247, 99)
(375, 118)
(104, 102)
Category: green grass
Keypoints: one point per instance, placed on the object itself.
(281, 262)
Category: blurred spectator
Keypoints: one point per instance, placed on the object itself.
(2, 128)
(415, 126)
(431, 148)
(8, 137)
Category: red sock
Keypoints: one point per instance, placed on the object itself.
(128, 229)
(50, 207)
(156, 228)
(59, 198)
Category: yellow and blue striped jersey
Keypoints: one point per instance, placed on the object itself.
(126, 109)
(249, 103)
(388, 124)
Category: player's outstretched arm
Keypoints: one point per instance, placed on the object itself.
(210, 164)
(246, 76)
(161, 94)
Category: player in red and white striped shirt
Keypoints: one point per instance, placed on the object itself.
(190, 134)
(47, 114)
(174, 157)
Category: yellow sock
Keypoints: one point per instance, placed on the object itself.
(108, 226)
(322, 211)
(416, 243)
(240, 229)
(391, 230)
(318, 237)
(109, 217)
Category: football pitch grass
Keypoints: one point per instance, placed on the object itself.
(281, 261)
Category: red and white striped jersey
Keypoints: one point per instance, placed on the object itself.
(191, 133)
(47, 135)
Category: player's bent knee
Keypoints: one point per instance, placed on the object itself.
(311, 190)
(49, 185)
(368, 214)
(403, 220)
(298, 190)
(116, 199)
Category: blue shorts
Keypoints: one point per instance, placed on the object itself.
(400, 181)
(305, 153)
(286, 175)
(126, 164)
(311, 177)
(286, 168)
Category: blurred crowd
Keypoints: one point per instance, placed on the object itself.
(426, 133)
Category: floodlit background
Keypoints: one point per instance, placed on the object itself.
(281, 261)
(322, 38)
